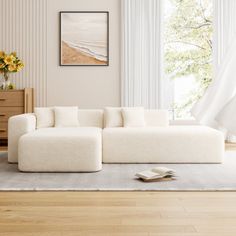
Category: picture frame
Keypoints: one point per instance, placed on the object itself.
(84, 38)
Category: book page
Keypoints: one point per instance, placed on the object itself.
(162, 171)
(148, 174)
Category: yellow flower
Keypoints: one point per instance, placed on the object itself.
(13, 54)
(9, 59)
(20, 66)
(20, 63)
(12, 68)
(2, 54)
(2, 66)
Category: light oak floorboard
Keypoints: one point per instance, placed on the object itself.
(118, 213)
(230, 146)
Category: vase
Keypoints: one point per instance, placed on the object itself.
(6, 85)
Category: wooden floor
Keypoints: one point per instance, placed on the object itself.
(230, 146)
(118, 213)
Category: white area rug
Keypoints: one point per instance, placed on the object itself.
(192, 177)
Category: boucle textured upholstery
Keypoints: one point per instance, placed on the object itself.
(44, 117)
(61, 150)
(25, 123)
(133, 117)
(173, 144)
(66, 117)
(83, 148)
(113, 117)
(18, 126)
(90, 118)
(155, 118)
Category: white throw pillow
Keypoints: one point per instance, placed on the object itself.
(44, 117)
(113, 117)
(66, 116)
(133, 117)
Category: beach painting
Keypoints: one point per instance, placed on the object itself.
(84, 39)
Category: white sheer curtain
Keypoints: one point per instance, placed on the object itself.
(215, 106)
(220, 92)
(140, 52)
(227, 118)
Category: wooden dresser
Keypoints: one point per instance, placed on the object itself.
(13, 102)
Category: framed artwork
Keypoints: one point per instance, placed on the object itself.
(84, 38)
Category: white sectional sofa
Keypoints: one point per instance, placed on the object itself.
(102, 138)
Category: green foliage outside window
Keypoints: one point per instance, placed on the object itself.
(188, 47)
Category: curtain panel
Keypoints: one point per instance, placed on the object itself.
(215, 106)
(140, 26)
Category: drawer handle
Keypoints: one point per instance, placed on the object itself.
(2, 99)
(2, 115)
(3, 130)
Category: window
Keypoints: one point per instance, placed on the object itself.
(187, 32)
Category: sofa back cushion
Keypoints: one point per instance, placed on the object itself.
(90, 118)
(94, 118)
(155, 118)
(133, 117)
(113, 117)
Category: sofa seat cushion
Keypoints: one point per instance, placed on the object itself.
(173, 144)
(61, 150)
(64, 132)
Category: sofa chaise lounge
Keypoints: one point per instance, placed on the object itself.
(84, 148)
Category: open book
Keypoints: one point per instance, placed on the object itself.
(156, 173)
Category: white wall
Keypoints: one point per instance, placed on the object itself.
(31, 27)
(23, 29)
(88, 86)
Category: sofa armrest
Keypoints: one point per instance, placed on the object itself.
(18, 126)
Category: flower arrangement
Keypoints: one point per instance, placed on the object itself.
(9, 63)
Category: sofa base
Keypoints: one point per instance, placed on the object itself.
(61, 150)
(173, 144)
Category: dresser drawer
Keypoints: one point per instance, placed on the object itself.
(7, 112)
(3, 130)
(12, 98)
